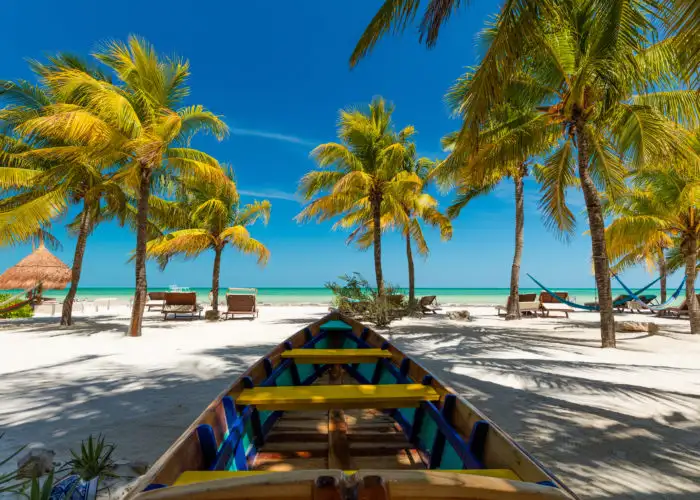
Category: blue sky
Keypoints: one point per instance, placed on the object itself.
(278, 72)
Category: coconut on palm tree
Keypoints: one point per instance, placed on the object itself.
(362, 172)
(203, 217)
(136, 123)
(663, 209)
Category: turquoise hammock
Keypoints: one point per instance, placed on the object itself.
(660, 307)
(617, 303)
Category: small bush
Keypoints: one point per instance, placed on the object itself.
(355, 297)
(25, 311)
(94, 459)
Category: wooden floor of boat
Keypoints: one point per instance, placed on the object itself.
(347, 440)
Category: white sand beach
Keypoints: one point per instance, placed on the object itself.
(612, 423)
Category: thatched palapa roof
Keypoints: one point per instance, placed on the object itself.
(40, 266)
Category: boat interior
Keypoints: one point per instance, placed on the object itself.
(339, 409)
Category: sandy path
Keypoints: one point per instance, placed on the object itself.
(613, 424)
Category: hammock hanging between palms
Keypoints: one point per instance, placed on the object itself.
(582, 306)
(660, 307)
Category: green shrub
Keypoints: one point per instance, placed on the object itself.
(355, 297)
(25, 311)
(94, 459)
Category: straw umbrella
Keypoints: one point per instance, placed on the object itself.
(40, 268)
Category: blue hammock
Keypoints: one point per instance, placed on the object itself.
(660, 307)
(563, 301)
(591, 307)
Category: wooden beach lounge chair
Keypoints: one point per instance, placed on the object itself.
(241, 305)
(338, 412)
(181, 304)
(527, 302)
(677, 311)
(397, 307)
(429, 304)
(550, 304)
(156, 300)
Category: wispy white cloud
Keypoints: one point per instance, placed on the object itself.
(273, 136)
(273, 193)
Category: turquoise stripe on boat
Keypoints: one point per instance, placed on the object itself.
(450, 459)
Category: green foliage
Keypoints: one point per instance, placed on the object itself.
(94, 459)
(355, 297)
(25, 311)
(9, 482)
(39, 491)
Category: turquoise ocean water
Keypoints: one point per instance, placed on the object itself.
(322, 296)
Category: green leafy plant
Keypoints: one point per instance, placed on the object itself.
(39, 491)
(94, 459)
(25, 311)
(355, 297)
(9, 482)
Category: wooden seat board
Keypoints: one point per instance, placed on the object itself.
(338, 396)
(335, 356)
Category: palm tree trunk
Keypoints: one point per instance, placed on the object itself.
(85, 220)
(691, 271)
(411, 274)
(140, 253)
(376, 219)
(215, 280)
(663, 273)
(596, 225)
(513, 311)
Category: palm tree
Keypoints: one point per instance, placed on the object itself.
(665, 205)
(416, 208)
(207, 216)
(362, 172)
(135, 124)
(591, 75)
(501, 149)
(469, 188)
(45, 185)
(650, 252)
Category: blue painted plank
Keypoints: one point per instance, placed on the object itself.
(207, 443)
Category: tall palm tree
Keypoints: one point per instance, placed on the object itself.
(135, 123)
(417, 207)
(49, 184)
(666, 205)
(362, 172)
(594, 76)
(468, 188)
(207, 216)
(500, 149)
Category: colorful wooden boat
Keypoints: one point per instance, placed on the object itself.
(337, 412)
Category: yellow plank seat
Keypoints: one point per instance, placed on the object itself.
(337, 397)
(192, 477)
(336, 356)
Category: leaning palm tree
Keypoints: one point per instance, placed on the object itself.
(593, 72)
(417, 207)
(666, 205)
(207, 216)
(45, 185)
(135, 123)
(362, 172)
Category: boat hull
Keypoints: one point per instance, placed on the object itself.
(460, 449)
